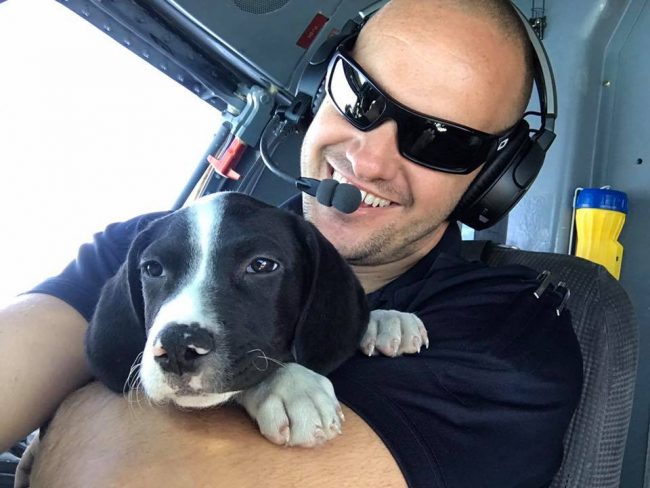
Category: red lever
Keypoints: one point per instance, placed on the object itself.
(225, 164)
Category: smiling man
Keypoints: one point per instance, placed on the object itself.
(487, 404)
(482, 81)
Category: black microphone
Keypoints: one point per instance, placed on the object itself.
(342, 196)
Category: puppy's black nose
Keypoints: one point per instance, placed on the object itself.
(181, 346)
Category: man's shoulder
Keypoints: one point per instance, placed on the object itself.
(131, 227)
(453, 284)
(81, 280)
(503, 312)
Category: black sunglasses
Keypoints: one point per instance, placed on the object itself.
(434, 143)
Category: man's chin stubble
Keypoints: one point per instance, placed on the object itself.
(382, 247)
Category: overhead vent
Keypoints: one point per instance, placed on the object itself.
(260, 7)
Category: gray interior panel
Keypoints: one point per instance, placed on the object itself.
(272, 30)
(599, 52)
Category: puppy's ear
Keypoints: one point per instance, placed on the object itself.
(116, 334)
(335, 311)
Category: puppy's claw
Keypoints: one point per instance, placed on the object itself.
(285, 435)
(394, 346)
(368, 348)
(339, 412)
(319, 435)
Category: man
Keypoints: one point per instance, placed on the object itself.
(486, 405)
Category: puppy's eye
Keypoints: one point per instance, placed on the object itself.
(261, 265)
(152, 269)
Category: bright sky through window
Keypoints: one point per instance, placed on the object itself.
(89, 134)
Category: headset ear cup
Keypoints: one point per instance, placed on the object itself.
(485, 201)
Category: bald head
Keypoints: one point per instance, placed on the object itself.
(504, 17)
(464, 38)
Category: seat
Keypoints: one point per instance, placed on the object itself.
(605, 324)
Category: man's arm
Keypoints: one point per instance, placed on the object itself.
(41, 346)
(101, 439)
(42, 356)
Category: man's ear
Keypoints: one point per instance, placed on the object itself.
(335, 311)
(116, 334)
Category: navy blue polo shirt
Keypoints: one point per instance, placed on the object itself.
(486, 405)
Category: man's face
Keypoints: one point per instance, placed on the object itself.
(453, 67)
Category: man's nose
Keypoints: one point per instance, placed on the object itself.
(374, 154)
(181, 346)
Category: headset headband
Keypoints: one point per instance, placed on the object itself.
(314, 73)
(544, 78)
(503, 180)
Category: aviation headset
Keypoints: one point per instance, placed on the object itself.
(506, 177)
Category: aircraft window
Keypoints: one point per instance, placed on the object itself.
(89, 134)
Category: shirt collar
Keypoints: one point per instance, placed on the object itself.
(448, 244)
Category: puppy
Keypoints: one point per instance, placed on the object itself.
(232, 299)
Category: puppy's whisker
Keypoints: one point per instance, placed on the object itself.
(133, 375)
(276, 361)
(133, 400)
(139, 393)
(132, 384)
(266, 358)
(134, 393)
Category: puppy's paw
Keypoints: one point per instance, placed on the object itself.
(394, 333)
(294, 407)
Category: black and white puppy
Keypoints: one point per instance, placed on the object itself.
(231, 298)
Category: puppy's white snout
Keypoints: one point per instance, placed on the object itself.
(178, 347)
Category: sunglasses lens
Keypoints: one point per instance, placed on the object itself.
(438, 146)
(354, 95)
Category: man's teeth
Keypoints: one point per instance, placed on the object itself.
(366, 197)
